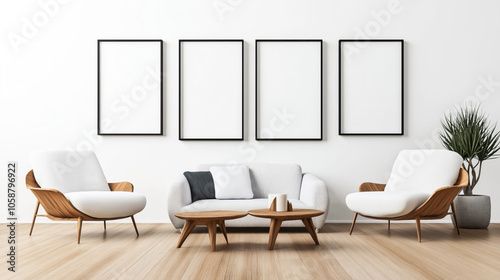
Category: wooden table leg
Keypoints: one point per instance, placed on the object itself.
(273, 232)
(186, 230)
(212, 231)
(310, 228)
(223, 229)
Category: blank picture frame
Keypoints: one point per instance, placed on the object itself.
(211, 89)
(130, 87)
(289, 89)
(371, 87)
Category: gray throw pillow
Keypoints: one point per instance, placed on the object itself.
(201, 184)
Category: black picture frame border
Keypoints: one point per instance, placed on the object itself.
(99, 41)
(242, 89)
(340, 88)
(257, 41)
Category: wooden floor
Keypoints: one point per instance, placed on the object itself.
(370, 253)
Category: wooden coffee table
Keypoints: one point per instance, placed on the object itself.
(278, 217)
(209, 218)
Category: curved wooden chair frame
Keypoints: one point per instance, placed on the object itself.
(59, 208)
(436, 206)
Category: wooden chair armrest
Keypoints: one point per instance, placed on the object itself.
(55, 203)
(463, 178)
(439, 202)
(371, 187)
(30, 181)
(121, 186)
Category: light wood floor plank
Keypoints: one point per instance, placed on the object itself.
(372, 252)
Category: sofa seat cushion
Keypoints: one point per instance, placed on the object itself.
(107, 204)
(244, 205)
(385, 204)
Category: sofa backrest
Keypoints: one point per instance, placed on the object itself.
(269, 178)
(424, 170)
(68, 171)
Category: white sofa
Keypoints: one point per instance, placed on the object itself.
(304, 190)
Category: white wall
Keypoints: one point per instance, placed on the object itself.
(48, 85)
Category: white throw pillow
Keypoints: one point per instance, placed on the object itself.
(232, 182)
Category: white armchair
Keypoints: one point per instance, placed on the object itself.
(422, 186)
(71, 186)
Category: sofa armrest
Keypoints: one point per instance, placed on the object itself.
(178, 196)
(314, 193)
(371, 187)
(121, 186)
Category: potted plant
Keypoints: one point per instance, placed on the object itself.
(468, 132)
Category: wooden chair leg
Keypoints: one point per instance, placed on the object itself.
(34, 216)
(353, 222)
(455, 217)
(80, 220)
(417, 220)
(135, 226)
(104, 224)
(388, 224)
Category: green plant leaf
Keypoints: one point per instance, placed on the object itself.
(467, 131)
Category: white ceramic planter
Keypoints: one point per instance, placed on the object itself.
(473, 211)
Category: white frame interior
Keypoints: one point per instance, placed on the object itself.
(288, 89)
(130, 87)
(211, 102)
(371, 87)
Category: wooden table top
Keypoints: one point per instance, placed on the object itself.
(211, 215)
(286, 215)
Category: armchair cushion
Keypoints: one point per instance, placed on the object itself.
(107, 204)
(424, 170)
(68, 171)
(385, 204)
(201, 184)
